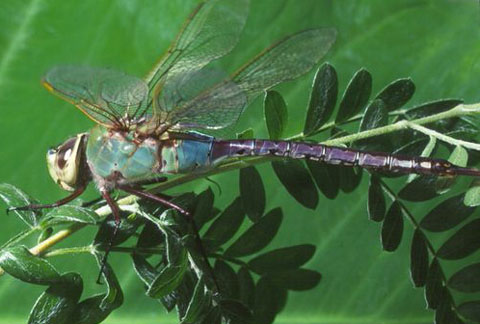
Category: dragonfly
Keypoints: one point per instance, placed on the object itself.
(149, 128)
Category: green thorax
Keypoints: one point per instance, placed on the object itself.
(110, 152)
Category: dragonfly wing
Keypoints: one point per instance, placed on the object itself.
(110, 98)
(286, 60)
(210, 32)
(216, 108)
(222, 104)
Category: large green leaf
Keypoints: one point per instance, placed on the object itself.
(36, 35)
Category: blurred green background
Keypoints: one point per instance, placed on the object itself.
(436, 42)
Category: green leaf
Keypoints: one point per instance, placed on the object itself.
(198, 304)
(298, 182)
(252, 192)
(227, 224)
(143, 269)
(418, 259)
(15, 197)
(467, 279)
(214, 316)
(326, 177)
(376, 115)
(88, 311)
(445, 313)
(288, 258)
(392, 228)
(170, 277)
(434, 286)
(246, 134)
(227, 280)
(420, 189)
(297, 279)
(276, 114)
(70, 214)
(167, 280)
(57, 304)
(446, 215)
(322, 99)
(126, 229)
(459, 156)
(45, 234)
(257, 236)
(235, 311)
(203, 208)
(463, 243)
(376, 205)
(355, 96)
(472, 196)
(150, 236)
(431, 108)
(269, 300)
(21, 264)
(113, 298)
(246, 291)
(349, 178)
(397, 93)
(470, 310)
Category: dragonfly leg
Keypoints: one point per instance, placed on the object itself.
(165, 202)
(116, 214)
(150, 196)
(61, 202)
(150, 181)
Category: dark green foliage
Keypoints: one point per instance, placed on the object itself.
(298, 279)
(276, 115)
(252, 192)
(418, 259)
(433, 107)
(14, 197)
(298, 182)
(57, 304)
(323, 98)
(326, 177)
(396, 94)
(466, 279)
(282, 259)
(376, 201)
(203, 207)
(246, 287)
(356, 96)
(257, 236)
(420, 189)
(463, 243)
(21, 264)
(226, 225)
(69, 214)
(392, 228)
(470, 310)
(434, 286)
(447, 214)
(269, 300)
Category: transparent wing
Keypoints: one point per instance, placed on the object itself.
(210, 32)
(110, 98)
(222, 104)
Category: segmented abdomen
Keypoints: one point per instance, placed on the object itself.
(334, 155)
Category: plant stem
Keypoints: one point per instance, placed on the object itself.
(457, 111)
(72, 250)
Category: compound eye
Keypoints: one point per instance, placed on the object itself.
(52, 151)
(65, 152)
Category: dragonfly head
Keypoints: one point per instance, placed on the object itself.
(66, 161)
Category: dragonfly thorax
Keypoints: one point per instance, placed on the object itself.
(65, 163)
